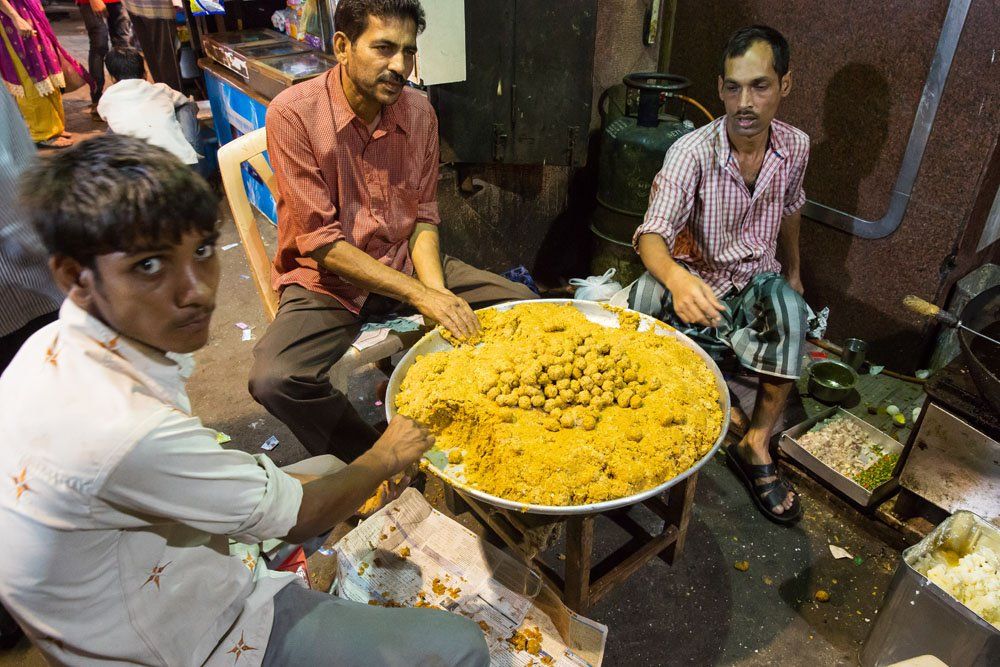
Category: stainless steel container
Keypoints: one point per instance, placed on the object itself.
(853, 353)
(919, 618)
(831, 381)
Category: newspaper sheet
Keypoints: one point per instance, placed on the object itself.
(409, 554)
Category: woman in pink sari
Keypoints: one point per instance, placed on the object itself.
(31, 65)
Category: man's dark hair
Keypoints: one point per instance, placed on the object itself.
(744, 38)
(115, 193)
(351, 17)
(125, 63)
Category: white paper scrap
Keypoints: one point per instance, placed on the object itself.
(230, 246)
(370, 338)
(270, 443)
(839, 553)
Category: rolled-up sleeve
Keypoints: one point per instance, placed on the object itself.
(795, 194)
(179, 472)
(427, 207)
(306, 209)
(671, 199)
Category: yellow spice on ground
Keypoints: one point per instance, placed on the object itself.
(552, 409)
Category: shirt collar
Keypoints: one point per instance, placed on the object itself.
(167, 370)
(343, 114)
(724, 150)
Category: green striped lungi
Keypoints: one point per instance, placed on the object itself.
(764, 324)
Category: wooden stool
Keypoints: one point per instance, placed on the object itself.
(586, 582)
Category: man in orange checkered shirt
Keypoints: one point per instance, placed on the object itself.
(355, 153)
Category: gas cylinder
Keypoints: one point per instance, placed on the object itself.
(636, 133)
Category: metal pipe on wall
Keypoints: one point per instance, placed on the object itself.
(951, 31)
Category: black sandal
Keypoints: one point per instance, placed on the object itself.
(767, 495)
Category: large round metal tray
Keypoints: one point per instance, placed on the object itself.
(451, 474)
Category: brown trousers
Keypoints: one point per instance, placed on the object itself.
(292, 361)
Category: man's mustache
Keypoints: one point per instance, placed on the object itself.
(392, 77)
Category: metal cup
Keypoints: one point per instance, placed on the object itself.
(853, 352)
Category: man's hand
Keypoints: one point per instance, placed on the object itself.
(449, 310)
(694, 301)
(402, 445)
(98, 6)
(795, 282)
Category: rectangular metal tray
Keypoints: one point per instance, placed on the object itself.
(859, 494)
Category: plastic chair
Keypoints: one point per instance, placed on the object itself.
(250, 148)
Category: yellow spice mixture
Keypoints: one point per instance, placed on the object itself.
(549, 408)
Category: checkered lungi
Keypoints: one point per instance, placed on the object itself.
(764, 324)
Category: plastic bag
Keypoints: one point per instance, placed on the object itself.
(596, 288)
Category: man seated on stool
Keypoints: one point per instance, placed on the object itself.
(355, 153)
(118, 504)
(727, 197)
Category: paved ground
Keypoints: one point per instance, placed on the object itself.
(702, 611)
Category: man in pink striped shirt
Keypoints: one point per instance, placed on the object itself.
(355, 155)
(725, 202)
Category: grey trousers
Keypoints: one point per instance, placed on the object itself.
(313, 628)
(292, 361)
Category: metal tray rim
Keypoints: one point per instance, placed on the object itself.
(567, 510)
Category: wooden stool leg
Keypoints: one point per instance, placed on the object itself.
(453, 501)
(579, 546)
(680, 500)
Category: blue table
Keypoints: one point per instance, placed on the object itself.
(238, 110)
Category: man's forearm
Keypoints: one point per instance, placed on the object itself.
(425, 251)
(329, 500)
(360, 269)
(788, 243)
(656, 257)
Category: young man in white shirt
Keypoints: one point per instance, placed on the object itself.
(117, 503)
(151, 111)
